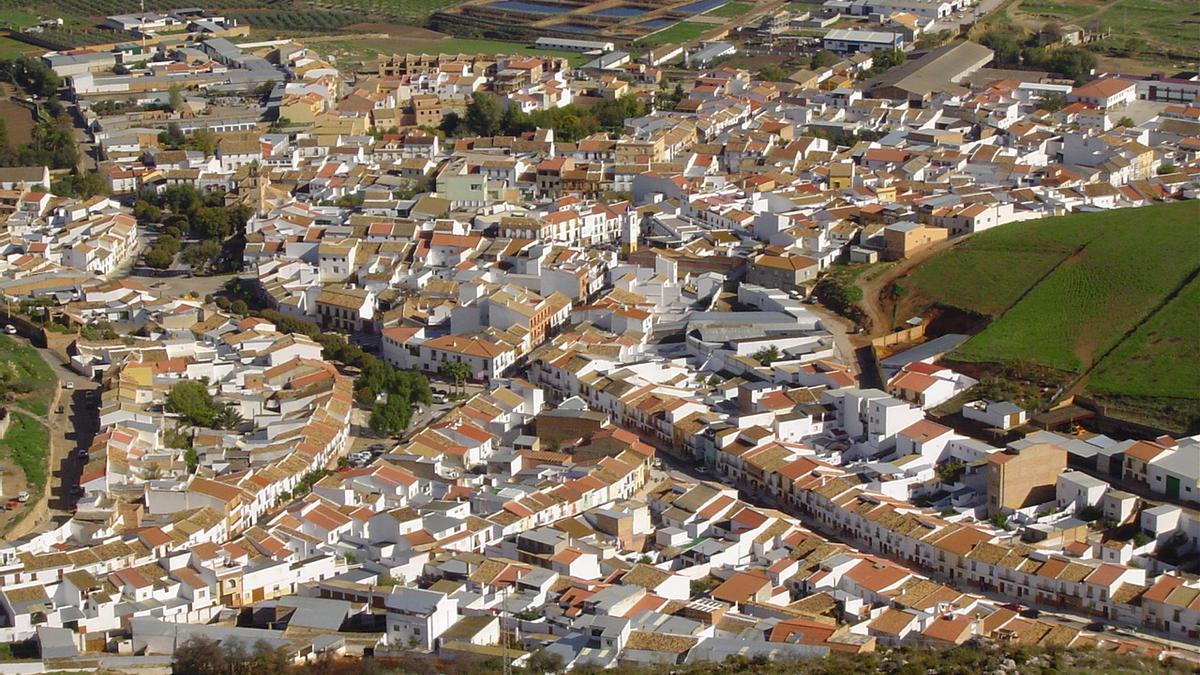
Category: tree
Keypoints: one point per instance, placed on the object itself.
(1165, 168)
(198, 255)
(173, 137)
(1052, 102)
(199, 655)
(483, 114)
(228, 417)
(822, 59)
(767, 355)
(203, 140)
(190, 400)
(771, 73)
(451, 122)
(456, 371)
(212, 222)
(543, 661)
(162, 253)
(192, 459)
(1126, 121)
(389, 416)
(79, 184)
(174, 98)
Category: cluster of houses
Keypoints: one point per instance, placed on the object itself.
(630, 299)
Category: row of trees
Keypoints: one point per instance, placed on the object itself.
(1014, 47)
(201, 140)
(485, 117)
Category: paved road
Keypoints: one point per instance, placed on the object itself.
(69, 430)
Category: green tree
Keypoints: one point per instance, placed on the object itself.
(456, 371)
(1126, 121)
(174, 98)
(771, 73)
(203, 140)
(823, 59)
(767, 355)
(1052, 102)
(173, 137)
(227, 417)
(451, 123)
(199, 655)
(200, 254)
(82, 185)
(162, 253)
(1165, 168)
(483, 114)
(190, 400)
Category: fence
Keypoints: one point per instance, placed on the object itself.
(900, 337)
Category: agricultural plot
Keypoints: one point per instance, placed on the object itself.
(988, 272)
(731, 10)
(1159, 359)
(1085, 306)
(682, 32)
(312, 21)
(405, 11)
(1165, 25)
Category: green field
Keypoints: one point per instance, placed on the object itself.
(988, 272)
(731, 10)
(1073, 292)
(685, 31)
(1131, 261)
(365, 50)
(1053, 9)
(1171, 336)
(28, 444)
(405, 11)
(1163, 24)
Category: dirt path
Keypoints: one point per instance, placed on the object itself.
(879, 320)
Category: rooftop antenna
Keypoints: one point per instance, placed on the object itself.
(142, 22)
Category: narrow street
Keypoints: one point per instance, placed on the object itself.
(69, 430)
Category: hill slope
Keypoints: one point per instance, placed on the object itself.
(1093, 290)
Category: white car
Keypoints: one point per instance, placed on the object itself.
(10, 329)
(68, 385)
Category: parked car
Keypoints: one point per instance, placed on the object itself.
(438, 397)
(10, 329)
(23, 496)
(69, 384)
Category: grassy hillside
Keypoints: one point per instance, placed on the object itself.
(1132, 260)
(1172, 336)
(1073, 292)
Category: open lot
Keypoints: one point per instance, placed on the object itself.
(731, 10)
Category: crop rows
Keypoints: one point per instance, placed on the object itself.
(314, 20)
